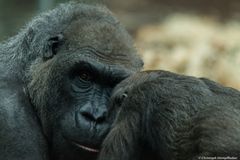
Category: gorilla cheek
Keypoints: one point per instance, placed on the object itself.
(69, 128)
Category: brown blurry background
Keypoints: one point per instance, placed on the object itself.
(193, 37)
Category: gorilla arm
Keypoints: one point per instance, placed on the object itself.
(20, 133)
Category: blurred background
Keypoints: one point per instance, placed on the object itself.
(193, 37)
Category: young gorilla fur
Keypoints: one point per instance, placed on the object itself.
(172, 117)
(56, 79)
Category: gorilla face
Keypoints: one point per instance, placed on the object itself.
(70, 84)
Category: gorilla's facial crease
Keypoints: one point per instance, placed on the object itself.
(77, 54)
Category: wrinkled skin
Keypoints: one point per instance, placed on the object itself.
(56, 78)
(165, 116)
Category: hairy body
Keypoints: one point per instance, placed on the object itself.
(57, 75)
(172, 117)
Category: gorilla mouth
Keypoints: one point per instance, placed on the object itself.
(86, 148)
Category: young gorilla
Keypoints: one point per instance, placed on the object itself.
(172, 117)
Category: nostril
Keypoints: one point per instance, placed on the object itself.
(88, 116)
(100, 119)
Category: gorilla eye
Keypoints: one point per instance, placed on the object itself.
(119, 100)
(85, 76)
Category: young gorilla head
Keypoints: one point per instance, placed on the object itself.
(69, 59)
(165, 116)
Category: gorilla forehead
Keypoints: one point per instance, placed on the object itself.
(87, 25)
(108, 42)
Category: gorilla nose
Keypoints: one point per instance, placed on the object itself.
(93, 117)
(97, 116)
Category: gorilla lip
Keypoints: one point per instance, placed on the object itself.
(86, 148)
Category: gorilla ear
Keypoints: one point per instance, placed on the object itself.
(52, 46)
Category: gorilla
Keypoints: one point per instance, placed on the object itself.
(57, 75)
(165, 116)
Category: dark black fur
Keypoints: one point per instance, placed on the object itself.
(56, 78)
(172, 117)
